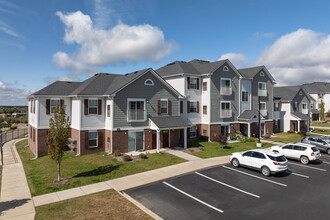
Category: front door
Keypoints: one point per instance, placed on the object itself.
(154, 140)
(165, 138)
(262, 130)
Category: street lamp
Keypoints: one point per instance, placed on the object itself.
(259, 124)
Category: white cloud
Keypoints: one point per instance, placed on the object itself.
(298, 57)
(69, 77)
(10, 95)
(8, 29)
(239, 60)
(101, 47)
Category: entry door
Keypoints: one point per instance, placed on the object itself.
(262, 129)
(135, 141)
(154, 140)
(165, 138)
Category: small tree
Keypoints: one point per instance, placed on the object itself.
(222, 140)
(322, 109)
(58, 135)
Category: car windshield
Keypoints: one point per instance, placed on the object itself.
(314, 149)
(326, 140)
(277, 159)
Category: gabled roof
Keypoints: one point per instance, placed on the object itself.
(317, 87)
(248, 114)
(58, 88)
(287, 93)
(300, 115)
(249, 73)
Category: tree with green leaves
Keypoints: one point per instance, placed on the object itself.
(322, 110)
(57, 138)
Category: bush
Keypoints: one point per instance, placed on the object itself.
(290, 132)
(13, 127)
(143, 156)
(201, 148)
(117, 153)
(127, 157)
(267, 136)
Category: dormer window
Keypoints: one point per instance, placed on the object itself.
(149, 82)
(225, 68)
(262, 73)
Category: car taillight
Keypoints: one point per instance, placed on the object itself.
(276, 163)
(312, 154)
(301, 140)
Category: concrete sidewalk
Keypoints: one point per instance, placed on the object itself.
(183, 155)
(15, 201)
(272, 142)
(319, 127)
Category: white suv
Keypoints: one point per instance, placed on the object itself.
(266, 161)
(298, 151)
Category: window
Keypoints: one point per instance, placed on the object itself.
(263, 109)
(225, 110)
(245, 96)
(276, 124)
(225, 68)
(204, 109)
(295, 107)
(92, 106)
(108, 111)
(136, 110)
(248, 154)
(163, 106)
(262, 89)
(276, 106)
(192, 132)
(149, 82)
(304, 108)
(224, 130)
(92, 139)
(259, 155)
(300, 93)
(225, 87)
(193, 107)
(53, 104)
(193, 83)
(288, 147)
(204, 86)
(262, 73)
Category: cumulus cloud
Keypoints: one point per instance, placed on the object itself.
(239, 60)
(10, 95)
(298, 57)
(100, 47)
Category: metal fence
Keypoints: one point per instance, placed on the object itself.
(13, 134)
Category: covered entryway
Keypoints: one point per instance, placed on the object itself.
(299, 122)
(135, 140)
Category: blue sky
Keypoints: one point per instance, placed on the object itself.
(42, 41)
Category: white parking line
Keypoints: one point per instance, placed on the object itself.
(217, 181)
(297, 174)
(281, 184)
(198, 200)
(325, 162)
(315, 168)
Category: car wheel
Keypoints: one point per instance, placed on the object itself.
(304, 160)
(235, 162)
(265, 171)
(328, 151)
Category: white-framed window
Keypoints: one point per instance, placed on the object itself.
(92, 106)
(262, 90)
(193, 83)
(192, 132)
(263, 108)
(225, 86)
(225, 68)
(295, 107)
(163, 106)
(192, 106)
(225, 110)
(262, 73)
(149, 82)
(136, 110)
(304, 108)
(108, 111)
(245, 96)
(276, 106)
(92, 138)
(204, 109)
(53, 103)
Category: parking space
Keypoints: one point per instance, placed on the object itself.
(227, 192)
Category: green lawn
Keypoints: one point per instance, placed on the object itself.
(214, 149)
(322, 131)
(284, 137)
(104, 205)
(83, 170)
(321, 124)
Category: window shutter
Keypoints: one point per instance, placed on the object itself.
(188, 107)
(86, 136)
(47, 106)
(86, 108)
(188, 82)
(61, 103)
(99, 107)
(158, 108)
(169, 107)
(197, 83)
(100, 139)
(197, 107)
(188, 132)
(181, 107)
(34, 106)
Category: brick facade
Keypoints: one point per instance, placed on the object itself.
(42, 142)
(148, 139)
(268, 127)
(234, 128)
(120, 141)
(32, 142)
(75, 136)
(254, 129)
(84, 149)
(215, 131)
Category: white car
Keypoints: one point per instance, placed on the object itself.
(298, 151)
(268, 162)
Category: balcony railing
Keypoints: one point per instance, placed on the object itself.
(262, 92)
(225, 113)
(136, 115)
(225, 91)
(263, 112)
(305, 111)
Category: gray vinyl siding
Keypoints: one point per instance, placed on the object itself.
(268, 99)
(216, 98)
(140, 91)
(300, 99)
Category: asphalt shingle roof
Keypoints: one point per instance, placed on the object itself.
(58, 88)
(170, 122)
(250, 72)
(286, 93)
(300, 115)
(248, 114)
(317, 87)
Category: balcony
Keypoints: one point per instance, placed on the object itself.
(263, 112)
(225, 91)
(225, 113)
(136, 115)
(262, 92)
(305, 111)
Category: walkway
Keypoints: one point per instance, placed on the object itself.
(319, 127)
(15, 201)
(272, 142)
(183, 155)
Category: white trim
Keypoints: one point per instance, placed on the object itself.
(190, 101)
(164, 100)
(231, 114)
(97, 138)
(230, 86)
(225, 68)
(149, 80)
(144, 109)
(190, 136)
(262, 73)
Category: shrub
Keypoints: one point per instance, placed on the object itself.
(290, 132)
(117, 153)
(127, 157)
(222, 140)
(201, 148)
(267, 136)
(143, 156)
(13, 127)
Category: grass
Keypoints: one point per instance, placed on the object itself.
(83, 170)
(214, 149)
(321, 124)
(104, 205)
(284, 137)
(322, 131)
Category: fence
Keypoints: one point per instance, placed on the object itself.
(13, 134)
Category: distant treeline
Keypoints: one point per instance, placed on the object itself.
(12, 109)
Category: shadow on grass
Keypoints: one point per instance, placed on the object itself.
(226, 147)
(4, 206)
(99, 171)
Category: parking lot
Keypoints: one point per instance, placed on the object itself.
(226, 192)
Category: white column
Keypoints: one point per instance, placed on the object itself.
(298, 125)
(249, 130)
(185, 138)
(158, 141)
(169, 138)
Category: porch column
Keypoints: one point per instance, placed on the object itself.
(298, 125)
(249, 130)
(158, 141)
(169, 138)
(185, 138)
